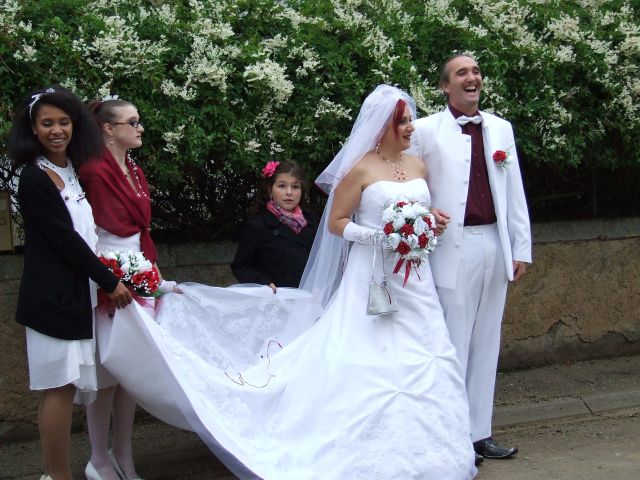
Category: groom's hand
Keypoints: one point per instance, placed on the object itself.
(519, 269)
(442, 219)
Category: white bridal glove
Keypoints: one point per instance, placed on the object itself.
(359, 234)
(167, 286)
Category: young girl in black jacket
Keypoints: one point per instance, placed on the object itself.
(275, 244)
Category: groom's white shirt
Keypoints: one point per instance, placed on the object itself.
(447, 154)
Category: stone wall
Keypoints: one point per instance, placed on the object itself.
(581, 297)
(579, 300)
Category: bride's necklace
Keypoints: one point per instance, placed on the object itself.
(399, 172)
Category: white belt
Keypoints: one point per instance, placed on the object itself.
(477, 229)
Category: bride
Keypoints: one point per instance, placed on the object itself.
(304, 384)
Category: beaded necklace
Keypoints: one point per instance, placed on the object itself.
(134, 168)
(399, 173)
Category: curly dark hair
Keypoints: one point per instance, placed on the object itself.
(86, 141)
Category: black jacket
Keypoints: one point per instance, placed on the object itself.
(54, 296)
(270, 252)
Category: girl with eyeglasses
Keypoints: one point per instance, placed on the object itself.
(117, 190)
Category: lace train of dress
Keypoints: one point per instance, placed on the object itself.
(350, 397)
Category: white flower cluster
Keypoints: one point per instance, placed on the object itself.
(119, 48)
(274, 75)
(130, 262)
(490, 89)
(207, 64)
(8, 13)
(508, 18)
(310, 59)
(26, 53)
(327, 107)
(442, 11)
(565, 54)
(172, 139)
(566, 27)
(381, 46)
(296, 18)
(428, 98)
(252, 146)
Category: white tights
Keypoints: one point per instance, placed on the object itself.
(112, 402)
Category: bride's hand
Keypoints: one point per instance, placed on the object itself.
(272, 287)
(168, 286)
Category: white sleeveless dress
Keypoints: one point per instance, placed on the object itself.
(55, 362)
(352, 397)
(108, 241)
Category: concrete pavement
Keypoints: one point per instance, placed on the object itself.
(582, 401)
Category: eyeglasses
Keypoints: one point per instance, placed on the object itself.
(133, 123)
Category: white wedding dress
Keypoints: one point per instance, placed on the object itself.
(351, 397)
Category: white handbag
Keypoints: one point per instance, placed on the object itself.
(381, 299)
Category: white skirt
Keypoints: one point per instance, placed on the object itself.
(54, 362)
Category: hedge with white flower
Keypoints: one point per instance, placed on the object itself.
(223, 86)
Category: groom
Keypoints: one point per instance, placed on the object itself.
(474, 176)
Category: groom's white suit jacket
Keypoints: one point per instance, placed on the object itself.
(447, 154)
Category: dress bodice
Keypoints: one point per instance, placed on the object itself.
(110, 241)
(377, 196)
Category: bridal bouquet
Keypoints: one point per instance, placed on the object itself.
(133, 269)
(410, 230)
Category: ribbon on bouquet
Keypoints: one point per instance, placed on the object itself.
(407, 269)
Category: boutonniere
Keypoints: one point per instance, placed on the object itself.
(503, 157)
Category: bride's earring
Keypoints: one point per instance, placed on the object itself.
(378, 148)
(111, 141)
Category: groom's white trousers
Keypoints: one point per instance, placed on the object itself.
(473, 312)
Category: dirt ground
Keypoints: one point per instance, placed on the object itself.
(585, 448)
(605, 447)
(577, 421)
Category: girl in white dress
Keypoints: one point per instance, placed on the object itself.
(354, 396)
(119, 194)
(51, 131)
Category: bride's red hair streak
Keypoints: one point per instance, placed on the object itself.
(397, 115)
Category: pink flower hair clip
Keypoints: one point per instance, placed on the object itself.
(269, 169)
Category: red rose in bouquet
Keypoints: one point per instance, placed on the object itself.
(423, 240)
(406, 230)
(403, 248)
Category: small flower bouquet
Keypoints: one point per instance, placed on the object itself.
(134, 270)
(410, 230)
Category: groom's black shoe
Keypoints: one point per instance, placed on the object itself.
(488, 448)
(479, 459)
